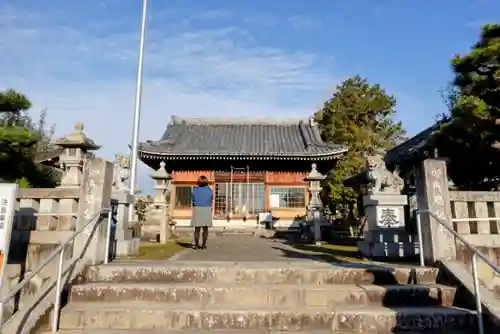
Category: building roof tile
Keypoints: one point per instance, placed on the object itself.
(297, 137)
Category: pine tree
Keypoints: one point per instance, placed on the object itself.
(359, 116)
(20, 141)
(471, 136)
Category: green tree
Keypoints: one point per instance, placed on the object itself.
(470, 137)
(20, 140)
(360, 116)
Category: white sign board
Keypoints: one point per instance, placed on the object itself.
(275, 200)
(389, 217)
(8, 194)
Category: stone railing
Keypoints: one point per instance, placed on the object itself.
(466, 206)
(475, 216)
(45, 218)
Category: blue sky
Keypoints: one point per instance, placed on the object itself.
(78, 59)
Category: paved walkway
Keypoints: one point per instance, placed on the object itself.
(245, 248)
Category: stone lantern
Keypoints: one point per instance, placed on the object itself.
(75, 146)
(162, 187)
(315, 206)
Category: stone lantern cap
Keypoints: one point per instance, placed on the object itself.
(314, 175)
(161, 173)
(77, 139)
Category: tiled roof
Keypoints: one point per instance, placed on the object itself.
(413, 146)
(292, 137)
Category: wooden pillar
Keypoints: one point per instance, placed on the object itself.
(267, 192)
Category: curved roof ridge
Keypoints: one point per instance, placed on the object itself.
(304, 135)
(265, 120)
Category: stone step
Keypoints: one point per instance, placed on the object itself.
(199, 331)
(293, 272)
(195, 331)
(255, 296)
(237, 331)
(151, 315)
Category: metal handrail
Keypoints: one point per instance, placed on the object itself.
(58, 251)
(460, 220)
(475, 253)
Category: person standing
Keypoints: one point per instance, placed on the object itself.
(202, 212)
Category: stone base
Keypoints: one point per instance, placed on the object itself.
(127, 247)
(121, 234)
(388, 235)
(388, 250)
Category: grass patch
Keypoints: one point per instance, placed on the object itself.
(345, 254)
(156, 251)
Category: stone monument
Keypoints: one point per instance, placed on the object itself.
(315, 215)
(385, 235)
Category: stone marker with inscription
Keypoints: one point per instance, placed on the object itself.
(433, 195)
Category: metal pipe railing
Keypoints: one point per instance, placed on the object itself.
(59, 251)
(459, 220)
(475, 254)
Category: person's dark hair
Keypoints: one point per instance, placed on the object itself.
(202, 181)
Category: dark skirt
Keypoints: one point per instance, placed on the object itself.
(202, 216)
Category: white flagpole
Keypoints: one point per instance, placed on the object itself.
(138, 102)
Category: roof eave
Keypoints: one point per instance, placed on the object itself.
(207, 156)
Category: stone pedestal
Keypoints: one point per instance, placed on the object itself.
(126, 243)
(386, 236)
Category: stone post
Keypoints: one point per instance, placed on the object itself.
(97, 197)
(315, 206)
(433, 195)
(162, 179)
(126, 242)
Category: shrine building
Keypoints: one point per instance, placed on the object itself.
(254, 165)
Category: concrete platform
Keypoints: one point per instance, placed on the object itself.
(244, 248)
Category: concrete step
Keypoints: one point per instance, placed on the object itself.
(293, 272)
(151, 315)
(255, 296)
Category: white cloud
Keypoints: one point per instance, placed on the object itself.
(86, 72)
